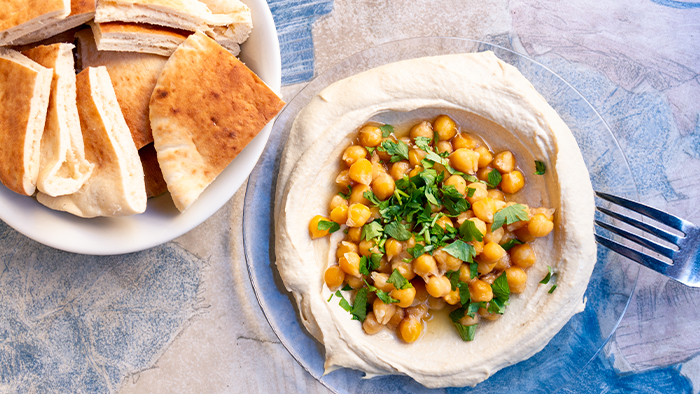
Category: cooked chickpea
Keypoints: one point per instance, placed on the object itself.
(503, 263)
(445, 127)
(340, 214)
(494, 236)
(444, 146)
(504, 162)
(512, 182)
(485, 209)
(466, 141)
(377, 170)
(384, 186)
(464, 273)
(404, 296)
(361, 171)
(355, 234)
(371, 325)
(370, 136)
(424, 265)
(436, 303)
(480, 291)
(314, 232)
(445, 261)
(517, 279)
(384, 266)
(374, 214)
(358, 214)
(354, 282)
(479, 224)
(458, 182)
(485, 267)
(345, 247)
(492, 252)
(350, 264)
(484, 313)
(438, 286)
(469, 321)
(392, 247)
(480, 192)
(415, 156)
(547, 212)
(404, 269)
(483, 173)
(465, 160)
(343, 180)
(523, 255)
(410, 329)
(496, 195)
(418, 312)
(415, 171)
(358, 195)
(385, 156)
(335, 201)
(367, 248)
(485, 156)
(539, 226)
(380, 281)
(478, 246)
(383, 312)
(452, 297)
(397, 318)
(353, 153)
(334, 277)
(444, 221)
(422, 129)
(399, 169)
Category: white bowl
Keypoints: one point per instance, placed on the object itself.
(161, 222)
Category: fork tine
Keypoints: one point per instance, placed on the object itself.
(656, 247)
(663, 217)
(643, 259)
(663, 234)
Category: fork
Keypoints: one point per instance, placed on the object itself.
(686, 260)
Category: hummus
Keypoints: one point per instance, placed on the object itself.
(494, 100)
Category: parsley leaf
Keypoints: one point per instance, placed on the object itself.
(398, 280)
(343, 302)
(397, 231)
(508, 245)
(469, 232)
(397, 150)
(460, 250)
(453, 276)
(508, 215)
(473, 270)
(324, 225)
(369, 195)
(371, 230)
(370, 149)
(471, 191)
(474, 307)
(464, 295)
(496, 306)
(424, 143)
(346, 195)
(494, 178)
(465, 332)
(386, 130)
(548, 277)
(501, 290)
(540, 167)
(451, 192)
(347, 287)
(554, 287)
(359, 309)
(382, 295)
(367, 265)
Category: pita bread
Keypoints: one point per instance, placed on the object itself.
(206, 107)
(116, 187)
(137, 37)
(63, 168)
(21, 17)
(155, 184)
(236, 32)
(24, 98)
(134, 76)
(187, 15)
(81, 12)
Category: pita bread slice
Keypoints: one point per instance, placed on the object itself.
(81, 12)
(137, 37)
(116, 187)
(24, 98)
(21, 17)
(63, 168)
(206, 107)
(236, 32)
(187, 15)
(134, 76)
(155, 184)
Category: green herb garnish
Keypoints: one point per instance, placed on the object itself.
(494, 178)
(325, 225)
(465, 332)
(346, 195)
(508, 215)
(509, 244)
(554, 287)
(397, 231)
(397, 150)
(424, 143)
(469, 232)
(540, 167)
(399, 281)
(359, 308)
(473, 270)
(371, 197)
(460, 250)
(549, 276)
(371, 230)
(386, 130)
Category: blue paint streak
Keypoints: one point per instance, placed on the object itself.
(682, 5)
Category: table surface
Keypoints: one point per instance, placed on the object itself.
(182, 317)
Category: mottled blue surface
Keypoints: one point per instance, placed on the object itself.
(73, 323)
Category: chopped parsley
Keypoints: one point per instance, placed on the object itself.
(346, 195)
(509, 244)
(424, 143)
(540, 167)
(494, 178)
(386, 130)
(325, 225)
(460, 250)
(371, 197)
(399, 282)
(397, 150)
(501, 294)
(382, 295)
(551, 290)
(548, 277)
(397, 231)
(367, 265)
(371, 230)
(465, 332)
(469, 232)
(509, 215)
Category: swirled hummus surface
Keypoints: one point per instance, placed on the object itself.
(498, 103)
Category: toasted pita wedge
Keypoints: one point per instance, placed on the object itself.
(206, 107)
(237, 31)
(24, 98)
(21, 17)
(116, 187)
(134, 76)
(187, 15)
(137, 37)
(63, 168)
(155, 184)
(81, 12)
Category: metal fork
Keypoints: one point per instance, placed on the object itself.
(686, 260)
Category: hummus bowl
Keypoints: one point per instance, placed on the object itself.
(606, 297)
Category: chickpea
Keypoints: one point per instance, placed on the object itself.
(496, 195)
(424, 265)
(436, 303)
(384, 266)
(343, 180)
(484, 313)
(464, 273)
(484, 267)
(370, 136)
(335, 201)
(371, 325)
(485, 209)
(539, 226)
(444, 146)
(418, 312)
(469, 321)
(377, 170)
(494, 236)
(354, 282)
(465, 160)
(354, 234)
(480, 192)
(399, 169)
(404, 269)
(483, 173)
(517, 279)
(422, 129)
(466, 141)
(334, 277)
(445, 261)
(340, 214)
(503, 263)
(445, 127)
(380, 281)
(392, 247)
(384, 155)
(485, 156)
(415, 171)
(374, 214)
(415, 156)
(383, 312)
(346, 247)
(492, 252)
(438, 286)
(350, 264)
(357, 195)
(410, 329)
(384, 186)
(478, 246)
(367, 248)
(452, 297)
(361, 171)
(523, 255)
(397, 318)
(358, 214)
(512, 182)
(410, 243)
(547, 212)
(353, 153)
(504, 162)
(458, 182)
(480, 225)
(314, 232)
(404, 296)
(480, 291)
(444, 221)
